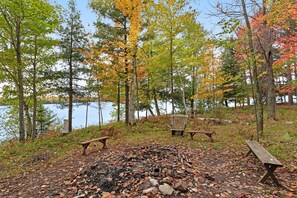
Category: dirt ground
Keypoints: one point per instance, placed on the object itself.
(212, 173)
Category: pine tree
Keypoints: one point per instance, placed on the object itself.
(73, 38)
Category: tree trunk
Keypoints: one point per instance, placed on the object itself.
(132, 93)
(171, 69)
(70, 94)
(192, 111)
(119, 101)
(100, 116)
(258, 105)
(151, 111)
(87, 112)
(184, 101)
(271, 102)
(295, 72)
(29, 121)
(137, 92)
(226, 103)
(156, 102)
(131, 105)
(248, 95)
(20, 83)
(70, 91)
(34, 92)
(290, 94)
(127, 113)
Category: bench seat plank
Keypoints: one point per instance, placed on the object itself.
(270, 162)
(262, 154)
(208, 133)
(94, 140)
(85, 144)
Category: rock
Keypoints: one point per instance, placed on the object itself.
(169, 172)
(150, 191)
(145, 185)
(80, 196)
(194, 189)
(106, 195)
(166, 189)
(167, 180)
(154, 182)
(181, 186)
(189, 170)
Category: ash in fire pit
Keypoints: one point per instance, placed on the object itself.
(141, 171)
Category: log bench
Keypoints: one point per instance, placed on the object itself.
(87, 143)
(208, 133)
(269, 161)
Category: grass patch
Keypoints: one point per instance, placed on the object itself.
(279, 137)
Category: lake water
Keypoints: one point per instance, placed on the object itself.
(79, 114)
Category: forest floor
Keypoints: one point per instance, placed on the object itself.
(139, 156)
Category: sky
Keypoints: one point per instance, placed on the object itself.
(202, 6)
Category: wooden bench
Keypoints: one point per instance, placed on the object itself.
(269, 161)
(178, 124)
(87, 143)
(208, 133)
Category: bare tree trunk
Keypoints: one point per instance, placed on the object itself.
(132, 93)
(271, 102)
(87, 112)
(290, 94)
(295, 72)
(192, 111)
(131, 105)
(156, 102)
(100, 119)
(70, 91)
(245, 82)
(171, 69)
(127, 113)
(70, 95)
(258, 105)
(119, 101)
(20, 83)
(151, 111)
(34, 92)
(29, 121)
(137, 93)
(267, 48)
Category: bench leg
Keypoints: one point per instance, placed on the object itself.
(104, 144)
(269, 173)
(210, 136)
(85, 146)
(248, 153)
(192, 135)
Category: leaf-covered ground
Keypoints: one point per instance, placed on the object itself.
(213, 173)
(53, 166)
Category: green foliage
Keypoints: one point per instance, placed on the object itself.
(73, 39)
(235, 86)
(9, 120)
(229, 26)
